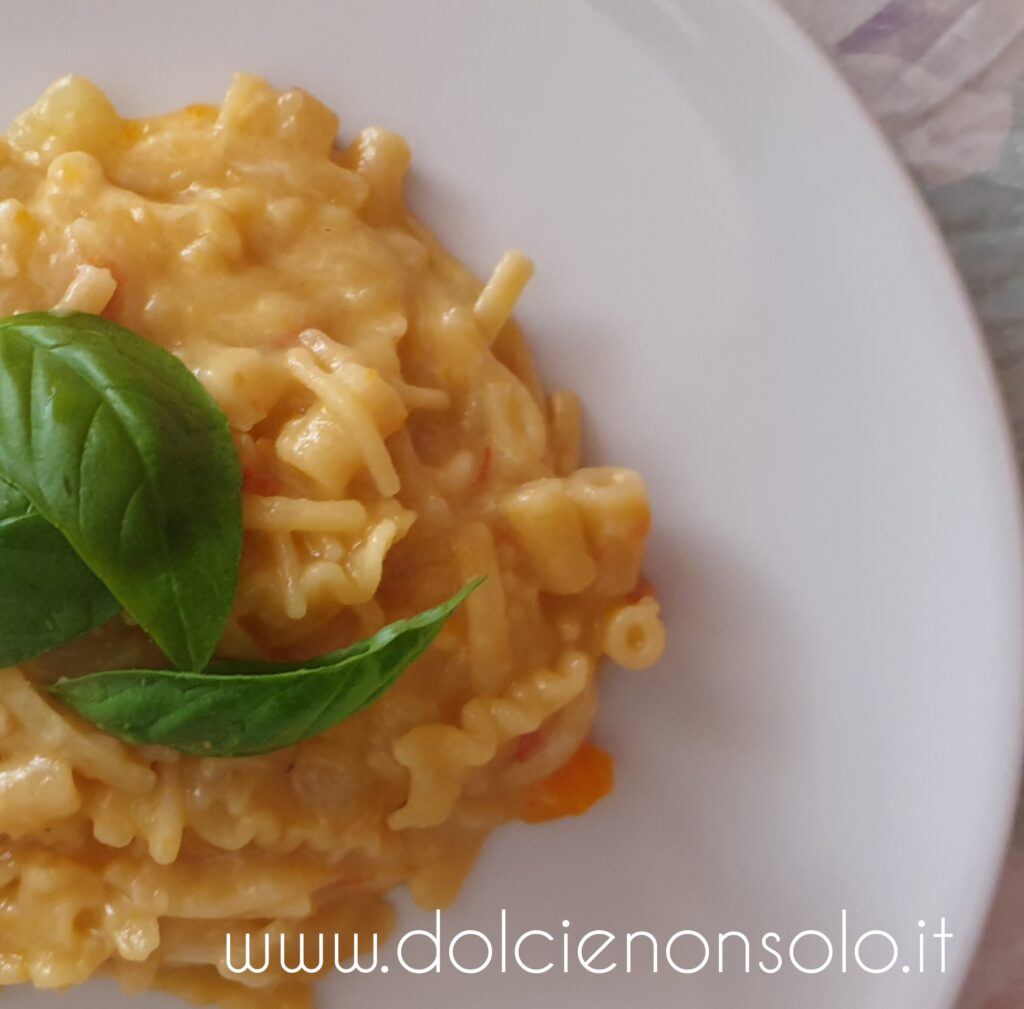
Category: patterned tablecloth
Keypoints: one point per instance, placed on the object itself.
(945, 78)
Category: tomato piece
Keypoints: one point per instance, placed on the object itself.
(587, 778)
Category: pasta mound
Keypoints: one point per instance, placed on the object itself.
(396, 443)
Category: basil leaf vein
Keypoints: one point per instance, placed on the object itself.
(117, 445)
(238, 709)
(47, 594)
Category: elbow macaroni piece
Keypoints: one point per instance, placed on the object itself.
(547, 526)
(635, 636)
(396, 442)
(613, 507)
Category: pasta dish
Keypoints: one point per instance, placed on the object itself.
(395, 445)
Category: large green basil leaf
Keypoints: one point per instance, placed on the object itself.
(241, 709)
(47, 595)
(117, 444)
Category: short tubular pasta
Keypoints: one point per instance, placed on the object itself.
(382, 159)
(547, 526)
(634, 635)
(613, 505)
(518, 434)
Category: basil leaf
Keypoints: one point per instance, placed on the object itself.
(47, 595)
(240, 709)
(118, 445)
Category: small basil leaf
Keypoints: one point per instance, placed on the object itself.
(118, 445)
(47, 595)
(240, 709)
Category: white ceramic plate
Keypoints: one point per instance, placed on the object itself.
(760, 318)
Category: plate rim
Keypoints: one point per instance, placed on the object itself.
(788, 31)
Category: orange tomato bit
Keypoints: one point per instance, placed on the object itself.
(587, 778)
